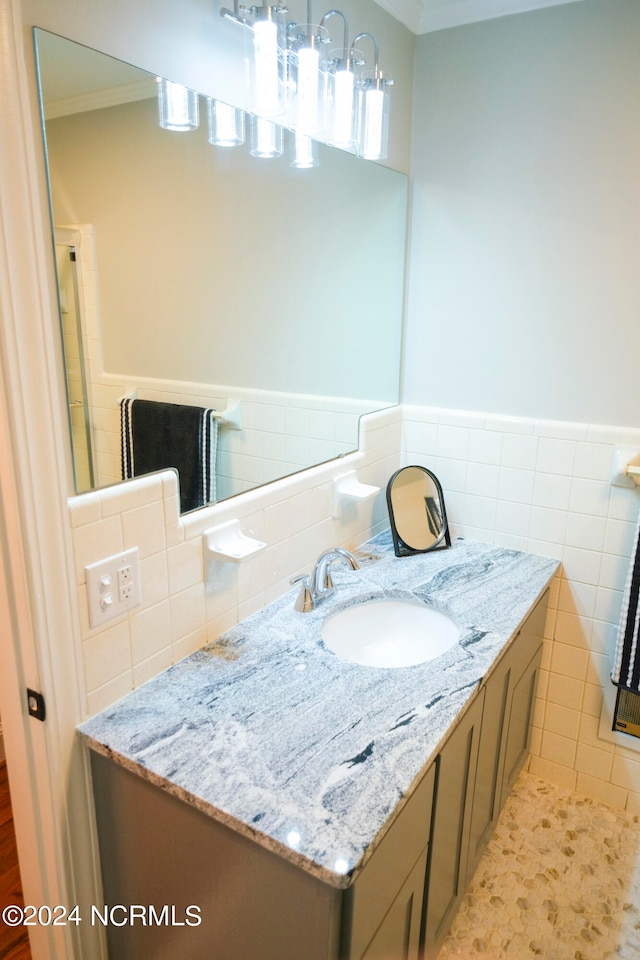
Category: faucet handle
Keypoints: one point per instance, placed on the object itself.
(304, 602)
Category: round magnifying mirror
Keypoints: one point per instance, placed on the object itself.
(416, 511)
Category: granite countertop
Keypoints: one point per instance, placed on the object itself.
(309, 755)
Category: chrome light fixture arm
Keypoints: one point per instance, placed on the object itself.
(345, 35)
(246, 16)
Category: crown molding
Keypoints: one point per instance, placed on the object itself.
(425, 16)
(408, 12)
(441, 14)
(98, 99)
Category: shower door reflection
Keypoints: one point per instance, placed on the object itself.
(71, 320)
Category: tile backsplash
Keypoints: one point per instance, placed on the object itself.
(543, 486)
(539, 486)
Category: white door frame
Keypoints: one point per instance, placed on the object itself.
(40, 639)
(27, 761)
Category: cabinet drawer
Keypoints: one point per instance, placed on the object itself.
(375, 889)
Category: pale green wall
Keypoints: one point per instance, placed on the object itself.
(216, 267)
(525, 289)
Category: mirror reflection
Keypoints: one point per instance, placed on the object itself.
(416, 511)
(208, 277)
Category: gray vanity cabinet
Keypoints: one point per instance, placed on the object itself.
(477, 768)
(157, 849)
(253, 903)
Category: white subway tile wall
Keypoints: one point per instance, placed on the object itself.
(185, 605)
(543, 486)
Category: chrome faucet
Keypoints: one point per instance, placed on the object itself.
(319, 585)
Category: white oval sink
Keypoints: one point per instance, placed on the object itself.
(387, 632)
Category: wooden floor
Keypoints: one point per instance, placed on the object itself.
(14, 944)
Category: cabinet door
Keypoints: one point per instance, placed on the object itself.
(508, 704)
(448, 848)
(527, 653)
(368, 901)
(488, 785)
(398, 936)
(519, 725)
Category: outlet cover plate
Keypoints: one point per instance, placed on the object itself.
(104, 579)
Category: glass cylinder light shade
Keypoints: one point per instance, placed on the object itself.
(373, 116)
(308, 79)
(266, 138)
(305, 152)
(267, 64)
(177, 106)
(226, 124)
(340, 121)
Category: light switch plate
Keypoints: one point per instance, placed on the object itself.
(113, 586)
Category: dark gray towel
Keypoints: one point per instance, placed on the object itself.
(159, 435)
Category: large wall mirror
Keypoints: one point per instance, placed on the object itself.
(196, 274)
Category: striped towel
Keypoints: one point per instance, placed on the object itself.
(158, 435)
(626, 669)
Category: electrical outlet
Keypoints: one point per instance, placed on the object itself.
(113, 586)
(125, 591)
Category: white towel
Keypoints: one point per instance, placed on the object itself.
(626, 669)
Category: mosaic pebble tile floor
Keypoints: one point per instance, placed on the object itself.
(560, 879)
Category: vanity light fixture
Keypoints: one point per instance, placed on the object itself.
(305, 152)
(340, 101)
(226, 124)
(177, 106)
(268, 77)
(268, 57)
(372, 114)
(327, 97)
(266, 139)
(307, 76)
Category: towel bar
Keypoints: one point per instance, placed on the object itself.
(231, 416)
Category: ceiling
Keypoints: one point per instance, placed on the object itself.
(423, 16)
